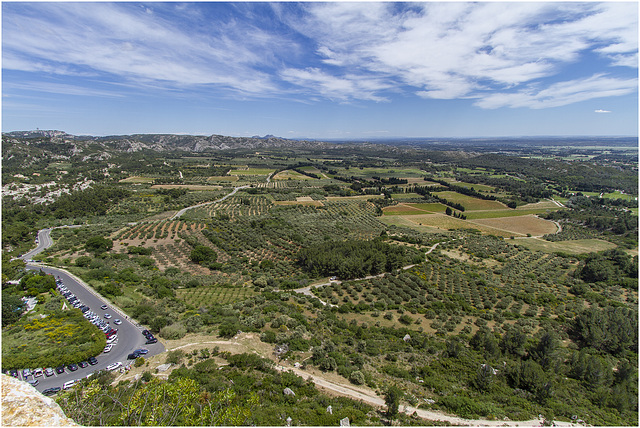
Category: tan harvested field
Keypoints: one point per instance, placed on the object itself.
(310, 202)
(441, 223)
(539, 205)
(351, 198)
(136, 179)
(398, 220)
(415, 180)
(527, 224)
(223, 178)
(578, 246)
(185, 186)
(293, 175)
(471, 203)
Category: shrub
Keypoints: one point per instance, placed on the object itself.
(83, 261)
(174, 357)
(139, 362)
(356, 377)
(173, 331)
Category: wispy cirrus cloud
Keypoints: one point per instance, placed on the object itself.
(132, 43)
(496, 54)
(466, 50)
(561, 93)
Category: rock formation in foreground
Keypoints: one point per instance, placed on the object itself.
(23, 405)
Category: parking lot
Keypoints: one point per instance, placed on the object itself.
(123, 337)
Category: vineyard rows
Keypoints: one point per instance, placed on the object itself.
(516, 288)
(209, 296)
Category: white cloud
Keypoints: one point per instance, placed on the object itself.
(460, 50)
(602, 111)
(561, 93)
(500, 51)
(336, 88)
(136, 44)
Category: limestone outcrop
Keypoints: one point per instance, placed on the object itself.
(23, 405)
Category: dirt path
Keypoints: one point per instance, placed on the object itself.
(366, 395)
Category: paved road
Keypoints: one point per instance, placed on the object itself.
(130, 337)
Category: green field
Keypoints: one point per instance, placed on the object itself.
(578, 246)
(475, 186)
(477, 215)
(251, 171)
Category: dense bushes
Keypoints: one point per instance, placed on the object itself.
(352, 259)
(63, 337)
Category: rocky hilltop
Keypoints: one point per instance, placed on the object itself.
(23, 405)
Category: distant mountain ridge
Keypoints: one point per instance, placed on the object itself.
(165, 142)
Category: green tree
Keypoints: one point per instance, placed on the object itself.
(202, 254)
(98, 244)
(392, 397)
(12, 308)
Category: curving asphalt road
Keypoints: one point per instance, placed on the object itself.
(130, 337)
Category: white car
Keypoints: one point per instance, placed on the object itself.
(117, 321)
(107, 316)
(112, 339)
(108, 348)
(69, 384)
(114, 366)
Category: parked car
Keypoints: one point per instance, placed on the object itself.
(14, 373)
(151, 341)
(48, 372)
(142, 351)
(93, 361)
(73, 367)
(117, 321)
(133, 356)
(107, 316)
(112, 338)
(69, 384)
(26, 373)
(83, 364)
(108, 348)
(114, 366)
(103, 307)
(146, 333)
(60, 369)
(37, 372)
(51, 391)
(33, 382)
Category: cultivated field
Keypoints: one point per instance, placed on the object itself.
(578, 246)
(528, 224)
(185, 186)
(137, 179)
(470, 203)
(291, 175)
(230, 178)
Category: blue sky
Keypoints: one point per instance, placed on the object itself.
(322, 70)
